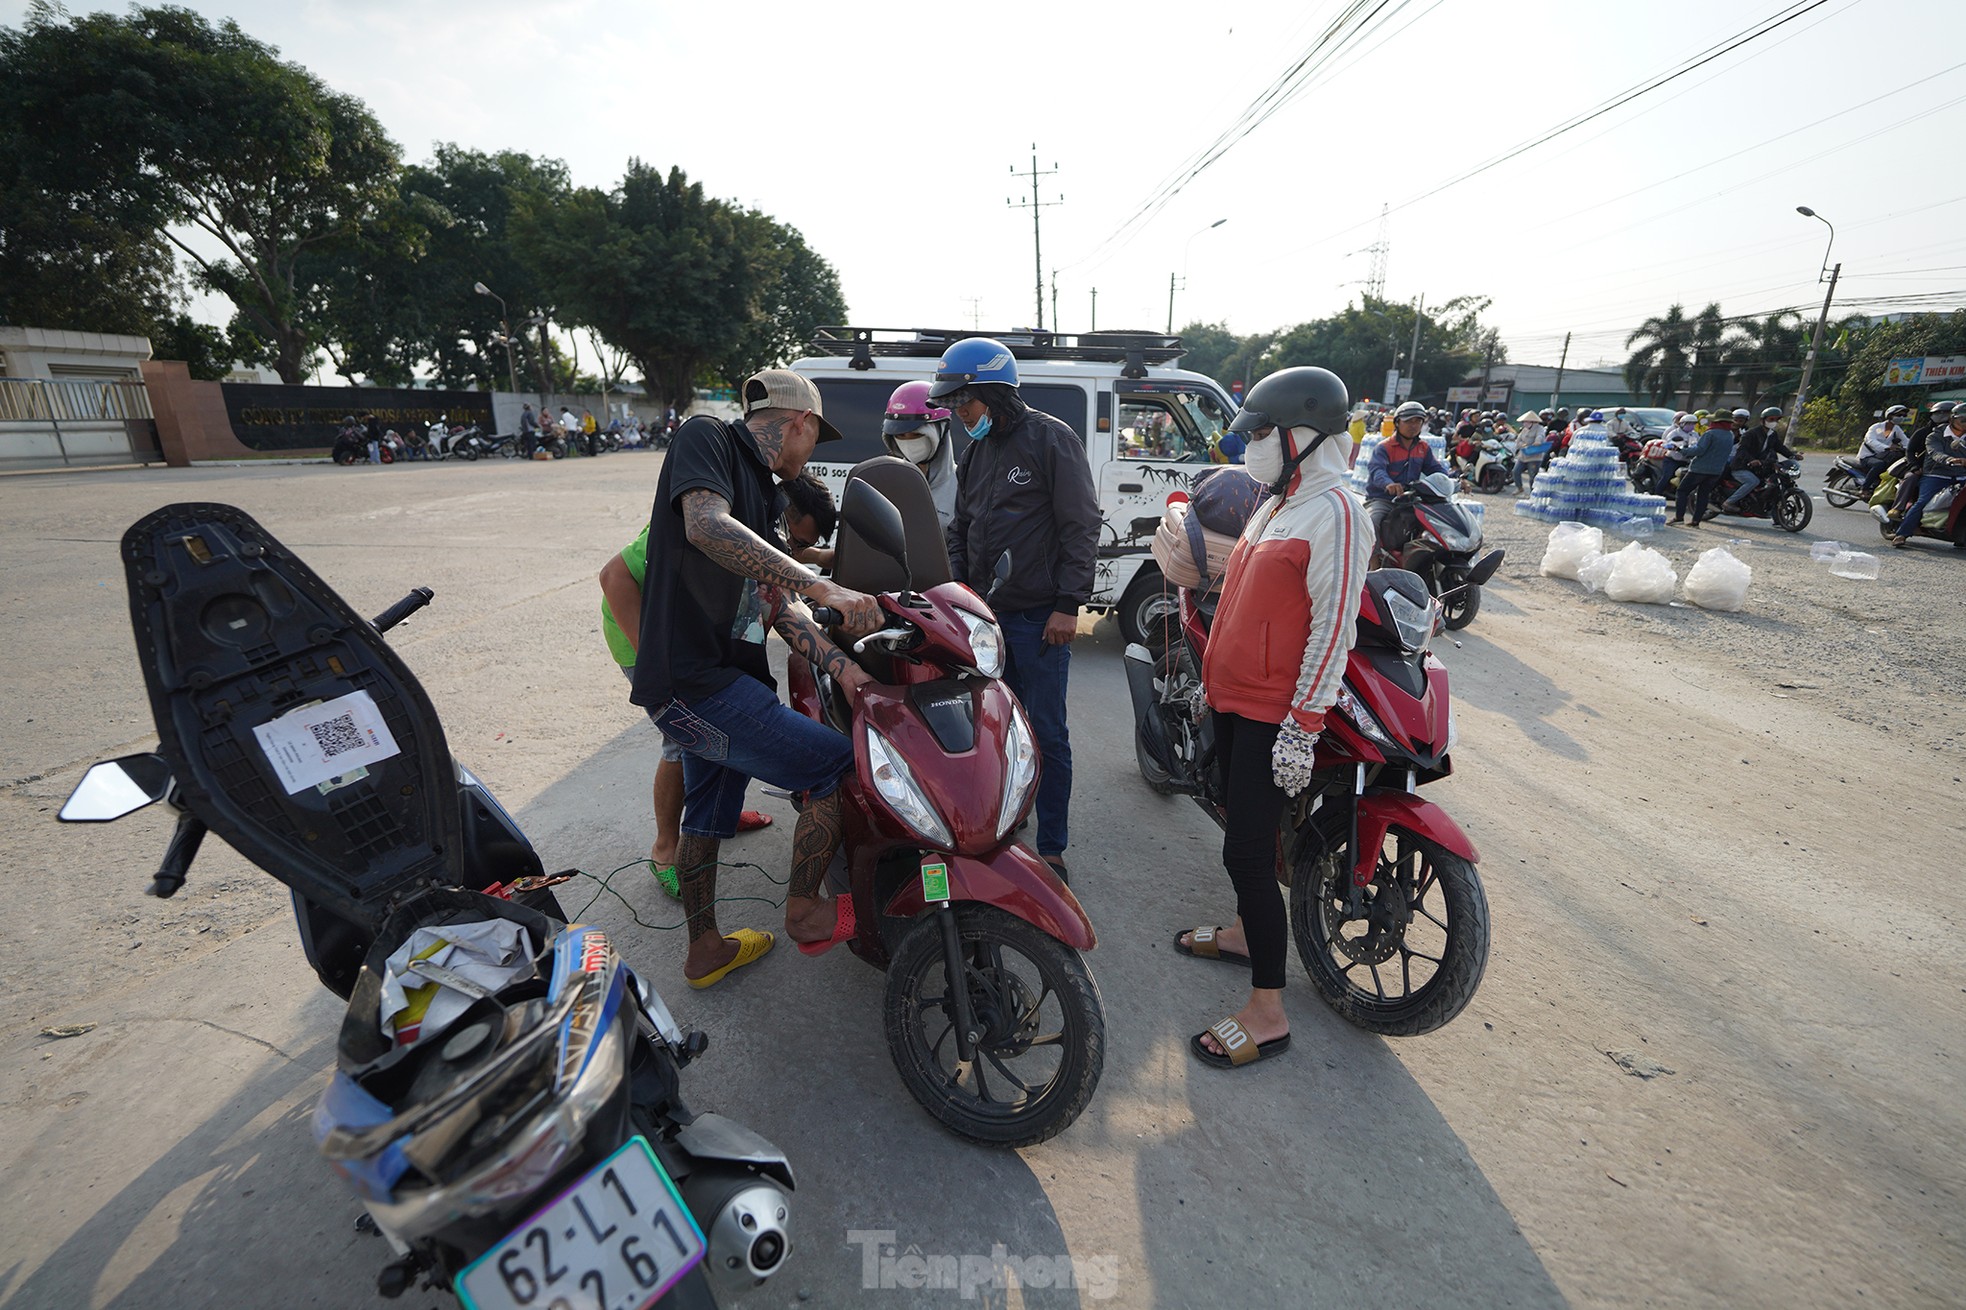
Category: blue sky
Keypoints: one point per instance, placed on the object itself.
(888, 134)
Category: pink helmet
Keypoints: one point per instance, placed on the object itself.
(909, 408)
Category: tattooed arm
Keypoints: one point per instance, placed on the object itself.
(806, 638)
(708, 523)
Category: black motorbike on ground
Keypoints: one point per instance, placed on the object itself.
(520, 1138)
(1428, 534)
(351, 446)
(1775, 497)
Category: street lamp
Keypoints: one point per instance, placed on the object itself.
(1186, 247)
(505, 327)
(1815, 342)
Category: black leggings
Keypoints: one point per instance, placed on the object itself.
(1249, 842)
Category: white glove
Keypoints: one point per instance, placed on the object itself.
(1294, 757)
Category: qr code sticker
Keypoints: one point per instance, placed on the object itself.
(337, 736)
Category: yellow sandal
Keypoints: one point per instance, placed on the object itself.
(752, 945)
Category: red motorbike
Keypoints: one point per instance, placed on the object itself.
(1386, 906)
(945, 769)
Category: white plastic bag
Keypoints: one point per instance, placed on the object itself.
(1718, 581)
(1854, 564)
(1641, 575)
(1569, 544)
(1825, 550)
(1595, 571)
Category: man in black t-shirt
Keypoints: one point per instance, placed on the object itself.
(718, 577)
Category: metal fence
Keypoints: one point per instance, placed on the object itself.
(75, 421)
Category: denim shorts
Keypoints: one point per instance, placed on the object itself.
(743, 732)
(671, 752)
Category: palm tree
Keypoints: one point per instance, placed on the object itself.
(1706, 376)
(1657, 367)
(1766, 356)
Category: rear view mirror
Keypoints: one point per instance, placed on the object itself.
(115, 788)
(1002, 572)
(877, 522)
(1485, 567)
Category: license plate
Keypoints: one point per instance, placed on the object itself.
(616, 1240)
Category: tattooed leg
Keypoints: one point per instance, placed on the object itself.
(696, 870)
(816, 840)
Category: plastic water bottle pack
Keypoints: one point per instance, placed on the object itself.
(1587, 485)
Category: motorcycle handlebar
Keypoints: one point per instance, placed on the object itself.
(827, 617)
(402, 609)
(178, 856)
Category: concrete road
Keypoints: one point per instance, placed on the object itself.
(1804, 1147)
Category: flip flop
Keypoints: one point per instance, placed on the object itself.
(843, 928)
(1202, 945)
(666, 875)
(752, 820)
(752, 945)
(1058, 867)
(1241, 1047)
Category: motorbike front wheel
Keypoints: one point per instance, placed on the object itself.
(1041, 1042)
(1841, 489)
(1793, 510)
(1460, 612)
(1489, 479)
(1408, 956)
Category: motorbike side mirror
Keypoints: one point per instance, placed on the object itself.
(114, 788)
(1001, 573)
(877, 522)
(1485, 567)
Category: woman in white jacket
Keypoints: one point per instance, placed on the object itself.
(1275, 661)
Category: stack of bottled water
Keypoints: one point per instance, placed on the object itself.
(1587, 485)
(1374, 440)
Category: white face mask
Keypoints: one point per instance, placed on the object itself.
(918, 447)
(1264, 459)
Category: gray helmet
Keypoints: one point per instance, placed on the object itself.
(1771, 412)
(1944, 409)
(1896, 411)
(1411, 409)
(1742, 414)
(1296, 397)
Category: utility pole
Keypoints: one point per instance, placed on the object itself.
(1809, 361)
(1095, 309)
(1375, 282)
(1413, 355)
(1170, 303)
(1054, 300)
(1557, 391)
(975, 316)
(1487, 366)
(1034, 205)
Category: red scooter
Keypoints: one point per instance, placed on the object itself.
(1386, 906)
(945, 769)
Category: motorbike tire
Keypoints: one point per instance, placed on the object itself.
(1161, 780)
(1148, 611)
(1458, 967)
(345, 458)
(1458, 614)
(1644, 478)
(1794, 510)
(920, 1022)
(509, 450)
(387, 455)
(469, 451)
(1490, 480)
(1841, 490)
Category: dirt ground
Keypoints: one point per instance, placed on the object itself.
(1715, 1059)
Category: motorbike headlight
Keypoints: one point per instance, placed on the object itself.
(899, 789)
(1020, 771)
(1354, 709)
(1412, 621)
(985, 643)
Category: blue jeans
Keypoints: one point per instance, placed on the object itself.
(1745, 480)
(1038, 674)
(743, 732)
(1930, 485)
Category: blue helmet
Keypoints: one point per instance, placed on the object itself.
(973, 359)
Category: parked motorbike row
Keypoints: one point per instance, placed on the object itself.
(470, 442)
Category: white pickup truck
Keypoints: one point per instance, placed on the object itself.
(1148, 427)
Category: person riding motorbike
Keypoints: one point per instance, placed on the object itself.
(1915, 454)
(1754, 450)
(1883, 443)
(917, 429)
(1398, 462)
(1274, 665)
(1945, 466)
(1679, 441)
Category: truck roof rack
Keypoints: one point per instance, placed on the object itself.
(1134, 349)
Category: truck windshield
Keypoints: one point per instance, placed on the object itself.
(1205, 411)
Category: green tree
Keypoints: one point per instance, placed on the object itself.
(1662, 364)
(1207, 347)
(686, 285)
(1708, 368)
(1362, 341)
(1765, 356)
(1871, 348)
(165, 124)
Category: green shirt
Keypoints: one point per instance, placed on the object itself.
(636, 557)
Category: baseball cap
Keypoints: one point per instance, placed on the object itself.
(781, 388)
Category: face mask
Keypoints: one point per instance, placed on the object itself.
(1264, 459)
(918, 449)
(981, 430)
